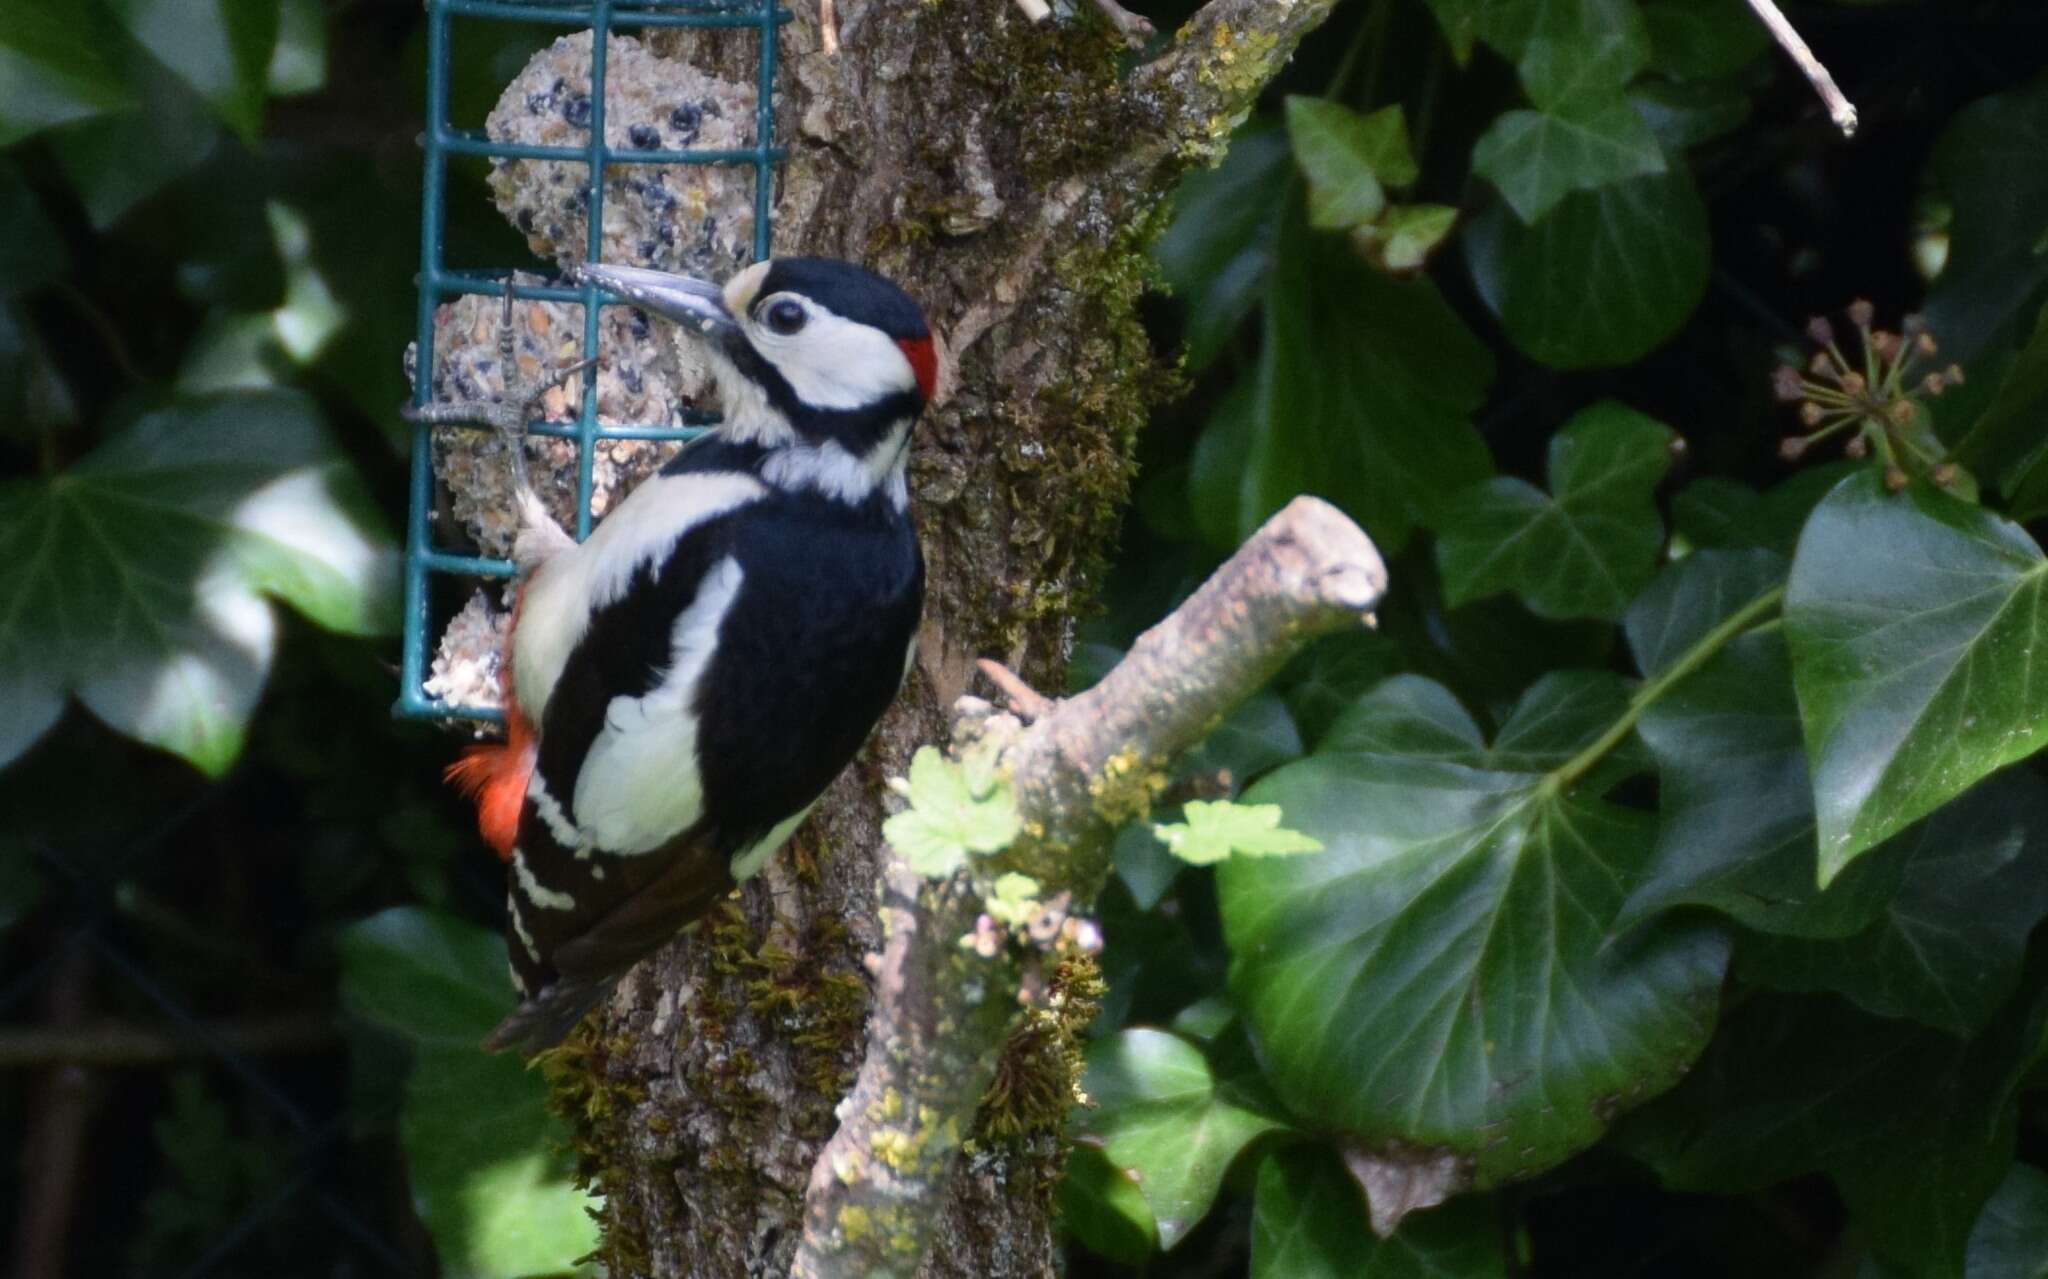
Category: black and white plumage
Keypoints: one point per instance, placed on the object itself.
(688, 681)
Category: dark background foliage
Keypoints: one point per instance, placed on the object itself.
(213, 1063)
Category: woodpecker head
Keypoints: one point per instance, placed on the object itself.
(809, 353)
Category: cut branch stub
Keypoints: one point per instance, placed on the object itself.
(942, 1010)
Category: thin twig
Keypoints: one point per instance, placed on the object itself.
(828, 28)
(1840, 109)
(1024, 699)
(129, 1044)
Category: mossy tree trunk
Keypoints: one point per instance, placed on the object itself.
(1008, 174)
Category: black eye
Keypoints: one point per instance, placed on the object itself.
(785, 317)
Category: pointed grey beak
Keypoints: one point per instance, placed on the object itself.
(697, 305)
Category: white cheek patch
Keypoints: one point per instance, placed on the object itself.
(574, 582)
(640, 785)
(833, 363)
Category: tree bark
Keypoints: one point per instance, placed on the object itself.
(1008, 174)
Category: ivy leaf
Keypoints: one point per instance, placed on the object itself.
(1512, 26)
(950, 815)
(1348, 159)
(1692, 597)
(1685, 114)
(33, 253)
(1984, 163)
(1947, 944)
(489, 1176)
(1158, 1115)
(1216, 254)
(1536, 158)
(222, 48)
(2010, 1241)
(1913, 1125)
(1405, 236)
(1913, 620)
(1584, 549)
(53, 67)
(1703, 39)
(135, 580)
(1445, 975)
(1459, 20)
(1366, 388)
(1100, 1205)
(1213, 831)
(1606, 278)
(1309, 1222)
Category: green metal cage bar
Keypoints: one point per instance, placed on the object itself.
(437, 282)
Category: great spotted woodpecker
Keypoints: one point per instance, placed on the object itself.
(686, 683)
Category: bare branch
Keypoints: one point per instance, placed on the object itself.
(1215, 67)
(1840, 109)
(942, 1009)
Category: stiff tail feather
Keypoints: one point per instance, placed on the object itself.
(546, 1019)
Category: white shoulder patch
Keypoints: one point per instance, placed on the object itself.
(640, 784)
(558, 599)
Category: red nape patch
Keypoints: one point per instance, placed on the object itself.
(924, 362)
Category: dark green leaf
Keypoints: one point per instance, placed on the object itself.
(31, 252)
(1914, 1126)
(1684, 115)
(1703, 39)
(1366, 386)
(1157, 1114)
(1219, 247)
(1712, 512)
(1536, 158)
(1913, 620)
(1511, 26)
(1584, 549)
(1606, 278)
(120, 160)
(1222, 491)
(2010, 437)
(1460, 22)
(1445, 974)
(2010, 1240)
(1100, 1205)
(1986, 164)
(1324, 679)
(489, 1176)
(1145, 865)
(1946, 947)
(1309, 1222)
(1691, 598)
(135, 579)
(53, 66)
(222, 48)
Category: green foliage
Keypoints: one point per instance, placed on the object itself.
(1160, 1116)
(135, 578)
(1212, 831)
(488, 1171)
(955, 809)
(1684, 832)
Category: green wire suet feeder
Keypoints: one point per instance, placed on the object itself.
(557, 109)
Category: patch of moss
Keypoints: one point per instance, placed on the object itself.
(597, 1110)
(1038, 1076)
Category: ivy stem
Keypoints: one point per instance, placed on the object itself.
(1653, 689)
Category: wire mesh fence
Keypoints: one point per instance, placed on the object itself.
(438, 283)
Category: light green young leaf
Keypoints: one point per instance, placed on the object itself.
(1349, 159)
(947, 819)
(1405, 236)
(1012, 899)
(1915, 621)
(1215, 830)
(1159, 1115)
(489, 1174)
(1585, 548)
(136, 579)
